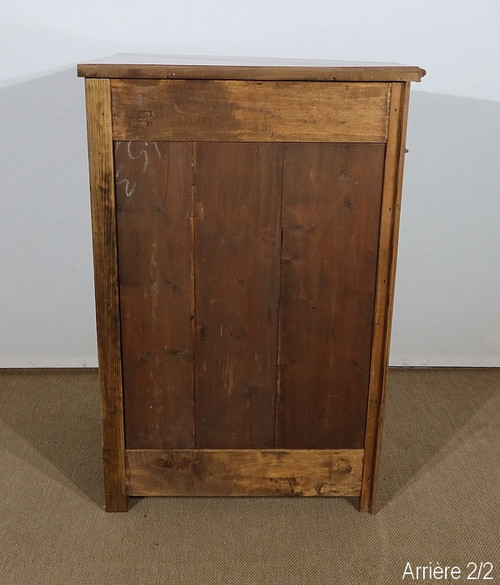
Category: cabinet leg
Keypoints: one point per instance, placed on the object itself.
(116, 503)
(114, 482)
(116, 499)
(367, 505)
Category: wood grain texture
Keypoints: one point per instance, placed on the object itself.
(387, 253)
(238, 213)
(256, 273)
(155, 257)
(251, 111)
(331, 208)
(244, 472)
(131, 66)
(106, 288)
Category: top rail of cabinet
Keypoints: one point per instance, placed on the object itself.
(134, 66)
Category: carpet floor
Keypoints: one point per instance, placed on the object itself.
(438, 499)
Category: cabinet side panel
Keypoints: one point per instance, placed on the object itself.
(386, 270)
(331, 210)
(238, 206)
(155, 249)
(106, 288)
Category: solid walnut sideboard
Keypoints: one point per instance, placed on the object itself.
(245, 224)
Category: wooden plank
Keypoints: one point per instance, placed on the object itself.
(389, 227)
(106, 288)
(243, 472)
(246, 68)
(251, 111)
(155, 245)
(331, 208)
(238, 205)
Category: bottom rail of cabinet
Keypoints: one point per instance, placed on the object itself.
(243, 472)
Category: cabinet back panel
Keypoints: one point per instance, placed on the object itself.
(247, 282)
(250, 111)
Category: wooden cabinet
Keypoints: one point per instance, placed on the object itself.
(245, 221)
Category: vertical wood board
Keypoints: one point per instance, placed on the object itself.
(386, 272)
(103, 209)
(155, 242)
(237, 234)
(331, 210)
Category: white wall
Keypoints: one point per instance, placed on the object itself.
(447, 299)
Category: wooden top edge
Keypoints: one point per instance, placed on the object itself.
(227, 68)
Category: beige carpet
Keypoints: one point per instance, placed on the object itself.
(439, 498)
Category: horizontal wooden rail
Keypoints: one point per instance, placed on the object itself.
(249, 111)
(244, 472)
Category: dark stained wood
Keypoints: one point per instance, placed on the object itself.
(331, 210)
(155, 256)
(251, 111)
(238, 211)
(245, 68)
(386, 273)
(106, 288)
(244, 472)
